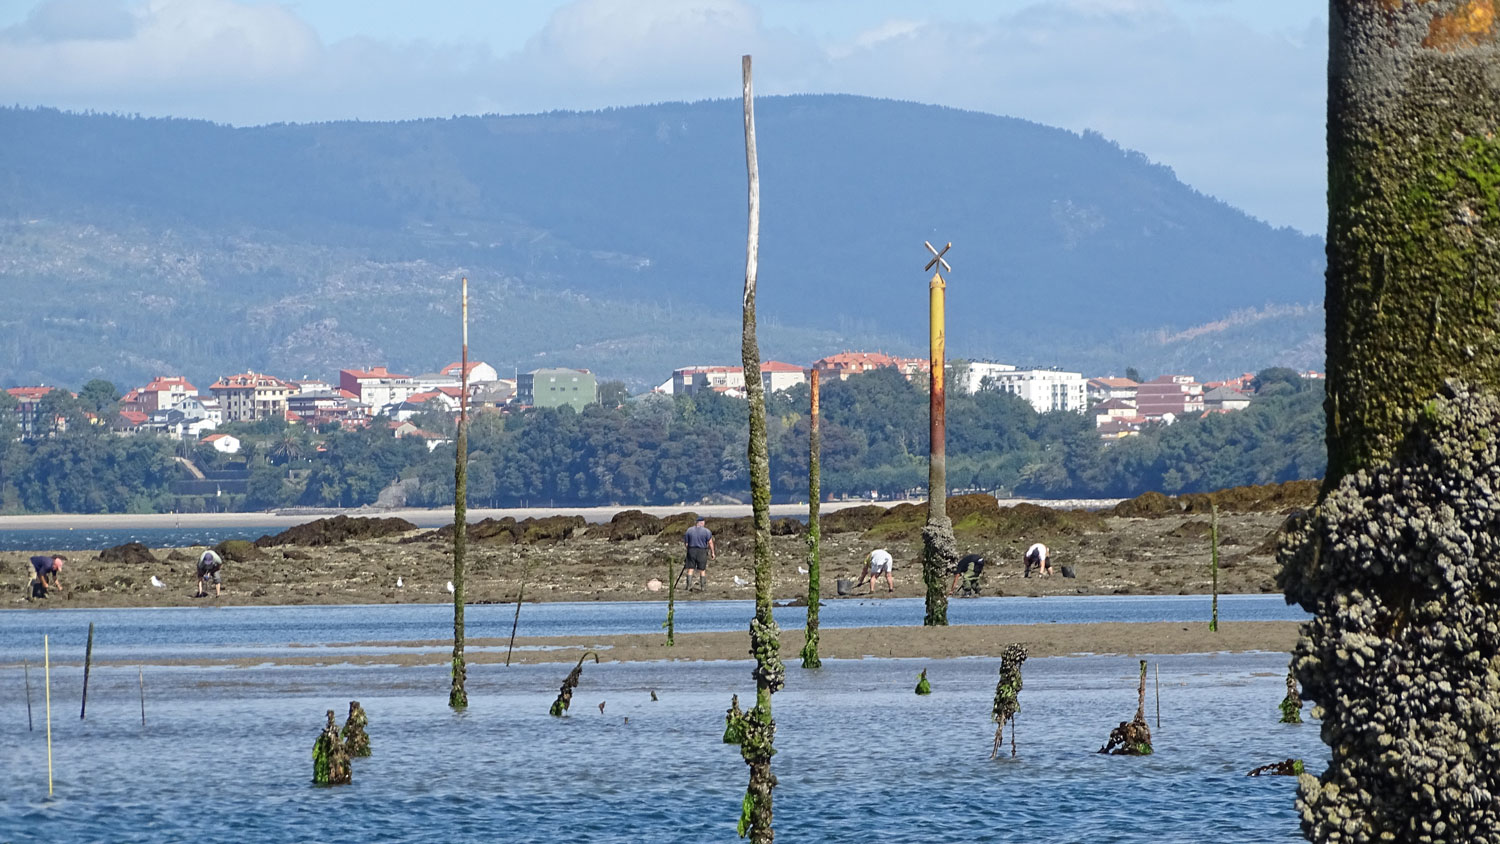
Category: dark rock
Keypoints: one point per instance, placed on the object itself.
(239, 551)
(130, 552)
(335, 531)
(633, 524)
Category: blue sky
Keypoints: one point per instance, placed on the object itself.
(1229, 93)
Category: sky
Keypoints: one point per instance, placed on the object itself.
(1228, 93)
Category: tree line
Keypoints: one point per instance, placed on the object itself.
(669, 450)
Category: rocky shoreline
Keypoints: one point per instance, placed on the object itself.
(1152, 545)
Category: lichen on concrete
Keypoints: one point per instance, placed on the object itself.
(1401, 567)
(1414, 214)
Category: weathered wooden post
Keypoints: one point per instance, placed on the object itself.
(1291, 705)
(1007, 696)
(1133, 737)
(565, 693)
(26, 668)
(88, 659)
(671, 623)
(330, 760)
(356, 740)
(1213, 565)
(756, 729)
(1413, 366)
(458, 696)
(814, 531)
(939, 548)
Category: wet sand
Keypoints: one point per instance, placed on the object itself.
(1042, 640)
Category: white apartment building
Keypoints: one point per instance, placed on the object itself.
(971, 379)
(1045, 389)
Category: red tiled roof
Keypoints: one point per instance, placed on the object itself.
(134, 417)
(165, 383)
(32, 393)
(372, 372)
(1112, 382)
(213, 438)
(458, 365)
(778, 366)
(249, 380)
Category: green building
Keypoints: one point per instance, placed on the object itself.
(576, 388)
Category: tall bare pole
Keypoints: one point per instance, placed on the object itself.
(939, 548)
(756, 728)
(814, 531)
(458, 696)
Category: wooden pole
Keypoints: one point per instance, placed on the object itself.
(939, 548)
(458, 695)
(141, 676)
(88, 658)
(810, 657)
(47, 684)
(1158, 696)
(516, 622)
(1213, 542)
(26, 666)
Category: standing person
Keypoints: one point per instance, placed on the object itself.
(46, 566)
(1039, 558)
(700, 549)
(879, 562)
(208, 567)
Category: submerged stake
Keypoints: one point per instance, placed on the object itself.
(26, 666)
(88, 658)
(141, 676)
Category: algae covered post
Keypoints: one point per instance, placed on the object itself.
(565, 693)
(458, 695)
(1213, 565)
(814, 531)
(1405, 626)
(939, 547)
(330, 760)
(1007, 696)
(1133, 737)
(756, 730)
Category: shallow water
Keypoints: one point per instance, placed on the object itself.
(226, 755)
(208, 631)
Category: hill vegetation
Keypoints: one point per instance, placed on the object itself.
(590, 238)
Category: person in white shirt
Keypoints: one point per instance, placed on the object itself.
(879, 562)
(1039, 558)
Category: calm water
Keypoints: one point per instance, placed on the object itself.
(206, 631)
(226, 755)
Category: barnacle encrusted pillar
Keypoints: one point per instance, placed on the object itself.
(1007, 696)
(1401, 567)
(1398, 562)
(356, 740)
(1413, 215)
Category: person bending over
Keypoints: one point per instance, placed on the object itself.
(208, 567)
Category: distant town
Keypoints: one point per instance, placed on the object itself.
(372, 396)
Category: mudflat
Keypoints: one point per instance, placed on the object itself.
(1167, 555)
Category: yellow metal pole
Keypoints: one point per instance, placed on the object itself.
(47, 672)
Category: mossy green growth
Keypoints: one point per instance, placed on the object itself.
(330, 761)
(923, 687)
(747, 806)
(734, 722)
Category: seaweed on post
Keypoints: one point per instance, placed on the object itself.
(814, 530)
(565, 694)
(671, 602)
(1284, 768)
(734, 721)
(330, 761)
(923, 687)
(458, 695)
(1291, 705)
(356, 740)
(1007, 696)
(1213, 565)
(757, 726)
(1132, 738)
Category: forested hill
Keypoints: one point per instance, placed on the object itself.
(131, 246)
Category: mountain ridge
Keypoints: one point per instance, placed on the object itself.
(619, 229)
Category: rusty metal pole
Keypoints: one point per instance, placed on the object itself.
(939, 548)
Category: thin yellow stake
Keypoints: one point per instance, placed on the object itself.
(47, 672)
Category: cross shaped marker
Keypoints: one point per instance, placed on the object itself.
(937, 257)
